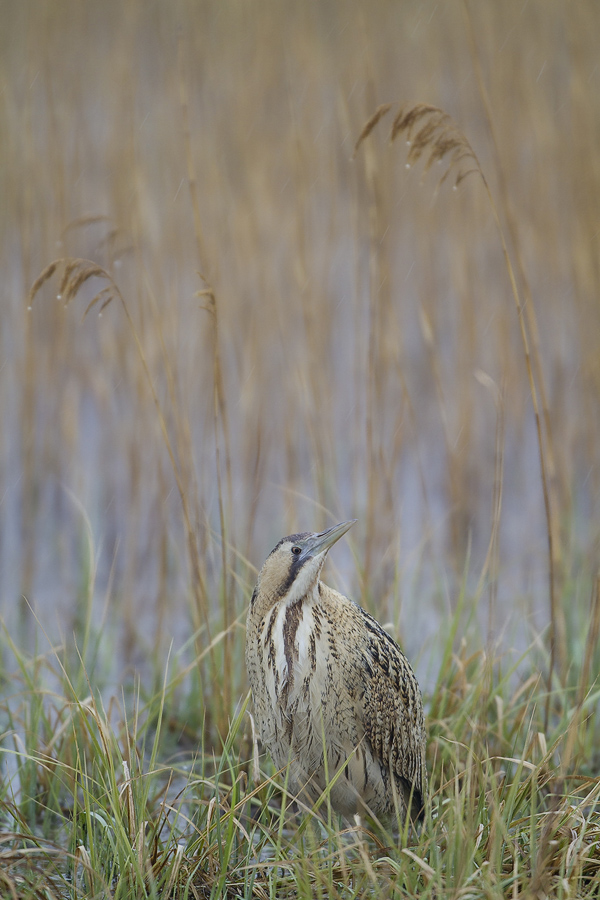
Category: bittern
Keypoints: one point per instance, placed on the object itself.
(334, 696)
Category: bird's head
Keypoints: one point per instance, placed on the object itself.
(291, 571)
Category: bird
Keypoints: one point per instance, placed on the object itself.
(335, 699)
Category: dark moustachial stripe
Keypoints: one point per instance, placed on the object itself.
(296, 564)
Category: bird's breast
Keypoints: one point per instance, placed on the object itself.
(289, 650)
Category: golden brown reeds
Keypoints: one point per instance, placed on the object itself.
(434, 137)
(328, 362)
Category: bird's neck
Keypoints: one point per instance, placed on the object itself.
(301, 593)
(292, 626)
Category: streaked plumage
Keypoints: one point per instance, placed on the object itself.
(324, 672)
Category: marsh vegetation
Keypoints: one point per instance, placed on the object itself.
(267, 267)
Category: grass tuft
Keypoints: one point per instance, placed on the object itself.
(102, 802)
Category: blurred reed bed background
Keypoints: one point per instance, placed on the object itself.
(304, 336)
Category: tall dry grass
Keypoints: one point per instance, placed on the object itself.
(309, 326)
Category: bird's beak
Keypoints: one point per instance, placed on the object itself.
(318, 543)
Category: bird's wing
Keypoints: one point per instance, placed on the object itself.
(392, 714)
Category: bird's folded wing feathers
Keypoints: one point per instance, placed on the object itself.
(392, 714)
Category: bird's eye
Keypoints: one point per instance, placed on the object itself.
(296, 551)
